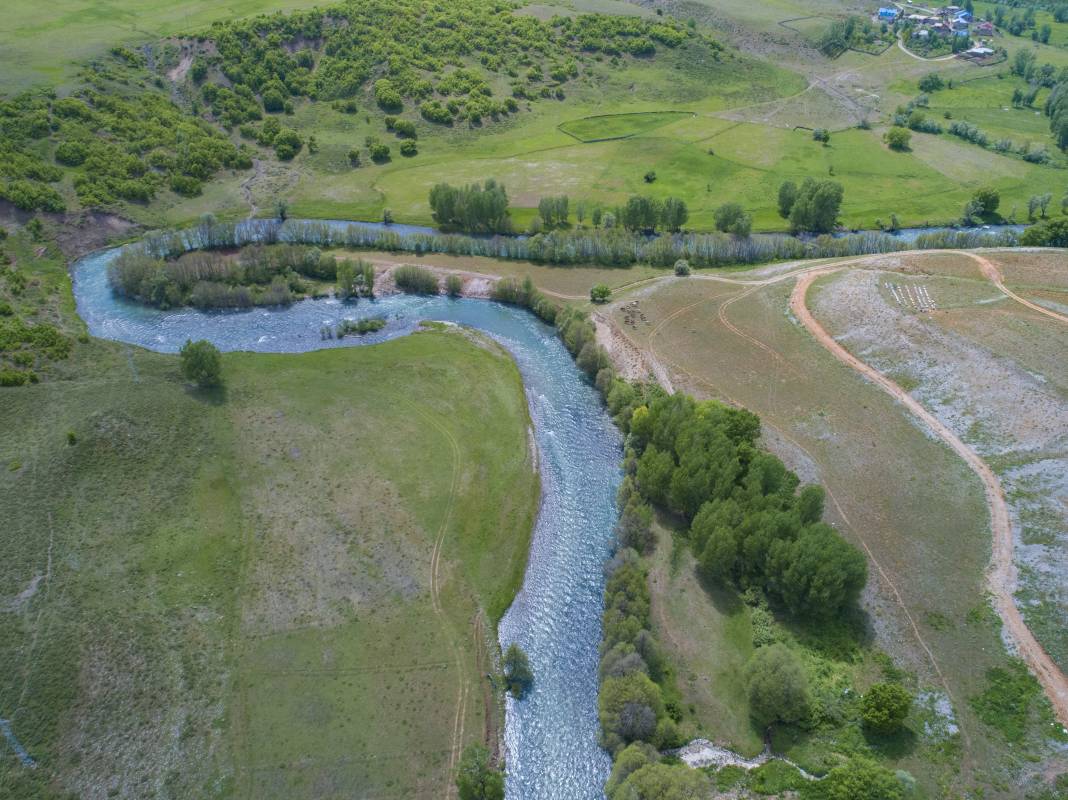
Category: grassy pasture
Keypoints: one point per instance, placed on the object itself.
(222, 594)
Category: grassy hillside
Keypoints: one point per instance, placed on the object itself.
(586, 107)
(197, 587)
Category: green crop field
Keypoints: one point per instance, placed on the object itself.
(198, 587)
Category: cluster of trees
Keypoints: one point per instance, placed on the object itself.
(843, 34)
(749, 527)
(984, 204)
(632, 670)
(812, 207)
(258, 275)
(285, 141)
(607, 247)
(472, 209)
(477, 778)
(117, 148)
(332, 54)
(25, 345)
(1050, 233)
(648, 214)
(553, 211)
(732, 218)
(639, 214)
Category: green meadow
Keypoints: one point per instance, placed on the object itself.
(223, 593)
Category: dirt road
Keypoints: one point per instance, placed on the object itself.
(1001, 577)
(993, 274)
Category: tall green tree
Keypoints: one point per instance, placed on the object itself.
(201, 363)
(518, 676)
(777, 686)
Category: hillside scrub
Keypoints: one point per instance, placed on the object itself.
(444, 59)
(115, 148)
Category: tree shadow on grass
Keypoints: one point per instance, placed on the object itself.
(896, 745)
(209, 395)
(726, 599)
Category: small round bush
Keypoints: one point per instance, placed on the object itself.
(201, 363)
(885, 707)
(682, 268)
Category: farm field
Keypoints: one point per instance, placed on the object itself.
(217, 580)
(886, 479)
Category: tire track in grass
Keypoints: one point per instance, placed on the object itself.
(1001, 575)
(435, 595)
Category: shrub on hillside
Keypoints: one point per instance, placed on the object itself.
(884, 708)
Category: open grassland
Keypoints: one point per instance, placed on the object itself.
(224, 594)
(906, 498)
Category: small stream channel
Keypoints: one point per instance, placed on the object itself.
(551, 736)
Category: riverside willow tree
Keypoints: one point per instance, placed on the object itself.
(812, 207)
(476, 778)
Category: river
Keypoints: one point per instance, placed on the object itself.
(551, 735)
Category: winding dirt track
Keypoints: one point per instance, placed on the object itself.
(1001, 577)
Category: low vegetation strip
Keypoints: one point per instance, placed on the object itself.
(1002, 577)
